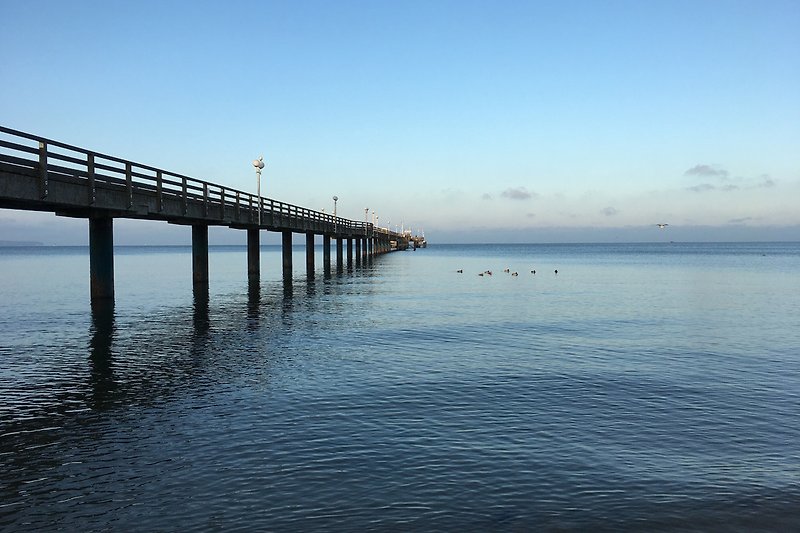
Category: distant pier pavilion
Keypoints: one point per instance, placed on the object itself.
(38, 174)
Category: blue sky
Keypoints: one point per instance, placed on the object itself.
(496, 121)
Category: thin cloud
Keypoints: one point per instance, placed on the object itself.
(706, 171)
(766, 182)
(530, 215)
(517, 193)
(486, 196)
(740, 220)
(705, 187)
(609, 211)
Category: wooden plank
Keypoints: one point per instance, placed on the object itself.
(18, 147)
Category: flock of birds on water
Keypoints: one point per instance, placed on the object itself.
(507, 271)
(661, 225)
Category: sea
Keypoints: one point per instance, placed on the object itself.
(641, 387)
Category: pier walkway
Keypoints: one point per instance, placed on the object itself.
(39, 174)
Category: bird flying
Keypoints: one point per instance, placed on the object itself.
(662, 226)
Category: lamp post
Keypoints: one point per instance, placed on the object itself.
(259, 164)
(335, 220)
(366, 219)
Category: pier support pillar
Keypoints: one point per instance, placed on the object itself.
(101, 258)
(286, 241)
(326, 252)
(253, 255)
(358, 250)
(349, 251)
(310, 253)
(200, 254)
(339, 258)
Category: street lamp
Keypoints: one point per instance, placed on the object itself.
(259, 164)
(335, 220)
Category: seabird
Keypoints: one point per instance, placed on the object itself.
(460, 270)
(662, 226)
(507, 270)
(556, 271)
(515, 273)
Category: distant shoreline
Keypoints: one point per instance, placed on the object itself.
(21, 243)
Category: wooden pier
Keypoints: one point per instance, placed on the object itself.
(39, 174)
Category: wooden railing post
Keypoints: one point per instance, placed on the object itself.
(272, 212)
(43, 185)
(159, 191)
(129, 183)
(90, 177)
(185, 199)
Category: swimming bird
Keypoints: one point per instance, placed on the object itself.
(460, 270)
(662, 226)
(533, 272)
(515, 273)
(489, 272)
(481, 274)
(556, 272)
(507, 270)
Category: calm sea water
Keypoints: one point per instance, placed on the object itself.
(647, 387)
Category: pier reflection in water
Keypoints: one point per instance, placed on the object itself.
(102, 380)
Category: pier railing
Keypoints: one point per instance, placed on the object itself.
(92, 180)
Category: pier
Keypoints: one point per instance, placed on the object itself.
(39, 174)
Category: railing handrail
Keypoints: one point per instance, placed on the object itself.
(184, 182)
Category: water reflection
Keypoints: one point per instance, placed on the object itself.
(200, 310)
(288, 291)
(311, 288)
(101, 376)
(253, 304)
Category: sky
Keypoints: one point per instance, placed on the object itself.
(472, 121)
